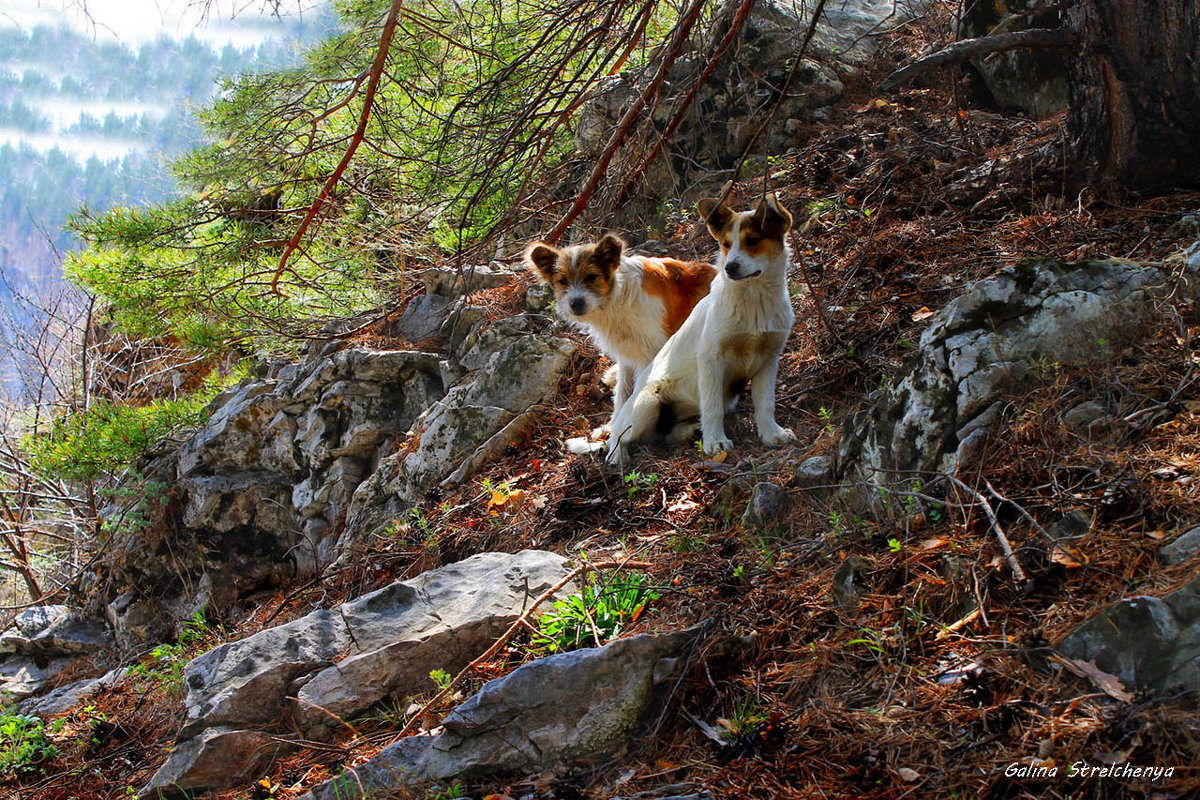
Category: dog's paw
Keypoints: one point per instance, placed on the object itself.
(777, 436)
(717, 445)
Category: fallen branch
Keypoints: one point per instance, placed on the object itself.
(385, 43)
(520, 621)
(973, 48)
(960, 624)
(1019, 577)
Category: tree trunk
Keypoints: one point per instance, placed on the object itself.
(1134, 111)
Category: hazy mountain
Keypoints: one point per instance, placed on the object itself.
(90, 121)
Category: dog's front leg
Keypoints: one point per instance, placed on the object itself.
(711, 383)
(623, 387)
(762, 391)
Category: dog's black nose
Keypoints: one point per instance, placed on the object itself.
(578, 304)
(733, 269)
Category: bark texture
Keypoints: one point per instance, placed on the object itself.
(1134, 110)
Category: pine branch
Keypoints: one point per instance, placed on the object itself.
(385, 43)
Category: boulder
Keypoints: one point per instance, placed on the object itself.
(216, 757)
(1151, 643)
(334, 665)
(729, 107)
(263, 482)
(935, 415)
(55, 630)
(1030, 80)
(531, 720)
(515, 370)
(43, 641)
(64, 698)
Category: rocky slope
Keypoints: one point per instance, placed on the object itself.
(865, 612)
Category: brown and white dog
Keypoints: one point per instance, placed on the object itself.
(629, 305)
(735, 333)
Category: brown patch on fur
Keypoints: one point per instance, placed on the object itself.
(762, 229)
(542, 259)
(678, 284)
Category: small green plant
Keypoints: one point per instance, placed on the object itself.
(440, 678)
(451, 792)
(895, 545)
(747, 718)
(420, 521)
(600, 612)
(684, 542)
(636, 481)
(826, 419)
(24, 744)
(837, 522)
(166, 663)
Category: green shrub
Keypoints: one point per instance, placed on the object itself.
(107, 437)
(166, 662)
(601, 610)
(24, 744)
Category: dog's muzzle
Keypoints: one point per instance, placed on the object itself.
(736, 271)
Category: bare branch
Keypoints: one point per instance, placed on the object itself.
(973, 48)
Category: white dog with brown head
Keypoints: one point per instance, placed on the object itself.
(735, 333)
(628, 304)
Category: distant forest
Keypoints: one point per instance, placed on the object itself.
(48, 73)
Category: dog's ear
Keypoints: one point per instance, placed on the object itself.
(771, 218)
(607, 254)
(541, 259)
(716, 215)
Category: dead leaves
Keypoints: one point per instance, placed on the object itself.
(1109, 684)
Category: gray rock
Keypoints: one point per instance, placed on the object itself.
(1029, 80)
(438, 620)
(423, 317)
(849, 582)
(266, 478)
(1151, 643)
(1082, 416)
(217, 757)
(245, 682)
(768, 506)
(813, 473)
(72, 695)
(539, 298)
(770, 39)
(55, 630)
(24, 675)
(333, 665)
(451, 283)
(457, 434)
(1182, 548)
(531, 720)
(933, 416)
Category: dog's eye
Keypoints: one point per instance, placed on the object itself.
(561, 281)
(726, 243)
(751, 241)
(591, 278)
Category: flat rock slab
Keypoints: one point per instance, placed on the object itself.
(335, 664)
(1152, 643)
(536, 718)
